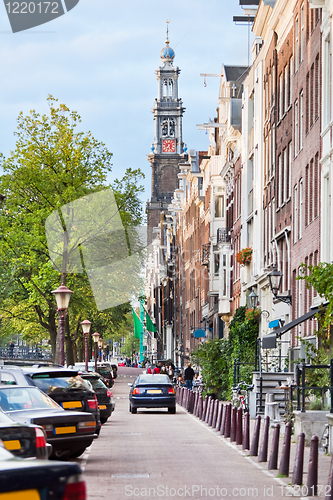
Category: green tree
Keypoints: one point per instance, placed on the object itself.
(52, 165)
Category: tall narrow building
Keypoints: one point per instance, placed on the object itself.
(168, 145)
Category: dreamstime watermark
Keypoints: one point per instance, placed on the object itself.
(24, 15)
(88, 235)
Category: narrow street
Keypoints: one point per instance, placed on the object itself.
(156, 454)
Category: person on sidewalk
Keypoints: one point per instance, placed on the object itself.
(188, 375)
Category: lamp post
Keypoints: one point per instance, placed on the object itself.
(100, 347)
(86, 329)
(96, 337)
(63, 296)
(105, 346)
(275, 278)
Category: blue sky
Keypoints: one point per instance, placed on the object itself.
(100, 59)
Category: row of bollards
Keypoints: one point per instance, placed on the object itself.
(231, 423)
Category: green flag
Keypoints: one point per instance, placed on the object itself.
(137, 325)
(150, 327)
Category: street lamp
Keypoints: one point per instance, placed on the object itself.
(252, 299)
(62, 295)
(105, 346)
(95, 337)
(86, 329)
(100, 347)
(275, 278)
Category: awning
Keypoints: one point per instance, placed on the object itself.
(269, 340)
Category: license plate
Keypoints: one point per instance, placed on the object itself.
(102, 407)
(18, 495)
(14, 444)
(65, 430)
(154, 391)
(71, 404)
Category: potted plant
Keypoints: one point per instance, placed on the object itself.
(244, 256)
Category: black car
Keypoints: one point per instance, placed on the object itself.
(69, 433)
(39, 479)
(104, 395)
(25, 441)
(152, 391)
(65, 386)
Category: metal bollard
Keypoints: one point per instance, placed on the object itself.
(285, 458)
(211, 412)
(208, 409)
(233, 424)
(190, 401)
(297, 477)
(196, 399)
(273, 459)
(255, 438)
(264, 447)
(227, 425)
(219, 419)
(215, 413)
(239, 426)
(200, 407)
(204, 408)
(246, 433)
(312, 482)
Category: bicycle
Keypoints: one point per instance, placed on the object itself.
(240, 397)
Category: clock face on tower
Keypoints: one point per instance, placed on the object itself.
(169, 146)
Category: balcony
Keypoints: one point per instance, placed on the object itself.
(223, 235)
(205, 253)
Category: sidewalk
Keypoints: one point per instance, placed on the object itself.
(324, 462)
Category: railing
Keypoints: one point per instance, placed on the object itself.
(301, 386)
(205, 254)
(25, 353)
(223, 235)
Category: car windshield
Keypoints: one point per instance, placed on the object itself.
(25, 398)
(102, 370)
(96, 383)
(153, 379)
(58, 382)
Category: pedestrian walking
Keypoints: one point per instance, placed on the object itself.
(11, 349)
(188, 375)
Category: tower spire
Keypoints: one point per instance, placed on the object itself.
(167, 33)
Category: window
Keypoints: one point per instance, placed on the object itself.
(296, 128)
(219, 206)
(296, 44)
(216, 264)
(289, 168)
(280, 182)
(295, 214)
(286, 87)
(300, 215)
(281, 96)
(301, 120)
(285, 174)
(302, 32)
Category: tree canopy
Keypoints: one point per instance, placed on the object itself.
(52, 165)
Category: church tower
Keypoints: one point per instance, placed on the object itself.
(168, 148)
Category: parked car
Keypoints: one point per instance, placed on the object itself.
(39, 479)
(104, 395)
(65, 386)
(102, 369)
(69, 433)
(152, 391)
(25, 441)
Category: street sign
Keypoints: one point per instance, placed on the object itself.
(199, 333)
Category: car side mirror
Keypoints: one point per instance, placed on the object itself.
(129, 384)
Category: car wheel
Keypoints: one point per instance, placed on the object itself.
(134, 410)
(76, 453)
(172, 410)
(103, 420)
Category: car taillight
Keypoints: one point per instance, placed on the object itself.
(109, 394)
(86, 426)
(75, 489)
(40, 438)
(171, 390)
(93, 403)
(136, 391)
(48, 429)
